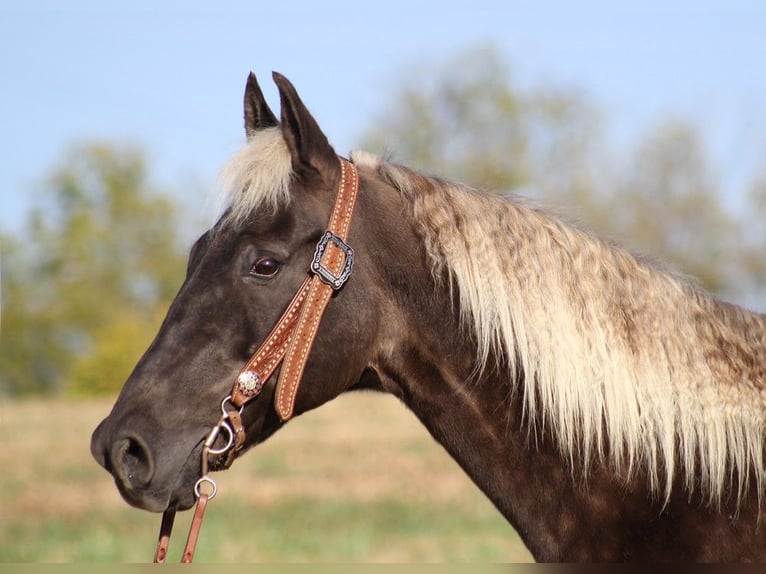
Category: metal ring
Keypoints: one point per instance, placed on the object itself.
(200, 482)
(214, 434)
(223, 406)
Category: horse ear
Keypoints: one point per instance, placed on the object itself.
(258, 115)
(310, 150)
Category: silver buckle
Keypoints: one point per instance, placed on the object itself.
(327, 276)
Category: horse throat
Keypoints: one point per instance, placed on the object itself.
(477, 417)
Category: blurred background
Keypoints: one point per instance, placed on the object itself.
(645, 121)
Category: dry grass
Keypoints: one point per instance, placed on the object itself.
(357, 480)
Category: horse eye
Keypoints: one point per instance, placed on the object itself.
(264, 267)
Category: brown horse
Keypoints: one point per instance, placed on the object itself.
(610, 410)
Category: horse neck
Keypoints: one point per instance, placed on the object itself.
(427, 357)
(478, 419)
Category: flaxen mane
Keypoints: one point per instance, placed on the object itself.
(622, 361)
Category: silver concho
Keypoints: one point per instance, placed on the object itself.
(249, 383)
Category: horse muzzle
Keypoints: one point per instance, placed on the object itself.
(141, 480)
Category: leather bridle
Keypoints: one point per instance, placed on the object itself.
(288, 344)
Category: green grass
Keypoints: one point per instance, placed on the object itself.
(357, 481)
(304, 530)
(387, 530)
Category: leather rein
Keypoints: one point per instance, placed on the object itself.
(288, 344)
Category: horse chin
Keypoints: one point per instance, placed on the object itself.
(149, 500)
(182, 498)
(182, 495)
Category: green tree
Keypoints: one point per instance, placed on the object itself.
(668, 205)
(753, 244)
(469, 121)
(82, 288)
(29, 351)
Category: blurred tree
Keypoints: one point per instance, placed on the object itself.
(669, 205)
(24, 334)
(83, 287)
(468, 121)
(753, 244)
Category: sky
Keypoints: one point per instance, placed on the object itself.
(169, 76)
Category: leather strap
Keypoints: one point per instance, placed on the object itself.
(290, 341)
(332, 259)
(196, 525)
(238, 429)
(163, 541)
(269, 355)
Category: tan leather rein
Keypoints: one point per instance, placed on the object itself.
(288, 344)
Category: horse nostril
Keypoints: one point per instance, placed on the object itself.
(132, 462)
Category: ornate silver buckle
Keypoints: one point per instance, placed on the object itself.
(327, 276)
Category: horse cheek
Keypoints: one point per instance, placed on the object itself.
(342, 351)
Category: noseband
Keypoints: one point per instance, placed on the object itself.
(288, 344)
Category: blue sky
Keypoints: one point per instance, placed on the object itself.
(169, 76)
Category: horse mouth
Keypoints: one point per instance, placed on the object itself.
(158, 497)
(149, 500)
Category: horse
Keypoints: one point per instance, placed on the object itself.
(610, 408)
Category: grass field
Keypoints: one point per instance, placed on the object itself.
(358, 480)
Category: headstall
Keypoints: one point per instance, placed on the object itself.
(288, 344)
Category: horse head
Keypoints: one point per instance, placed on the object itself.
(242, 273)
